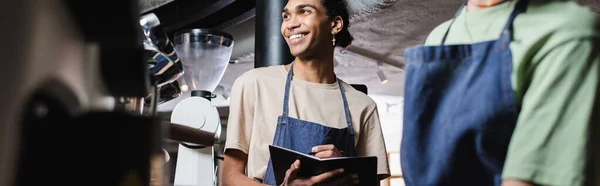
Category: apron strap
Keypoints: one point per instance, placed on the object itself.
(452, 22)
(286, 97)
(519, 8)
(346, 109)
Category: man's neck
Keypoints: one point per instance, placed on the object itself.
(472, 4)
(317, 69)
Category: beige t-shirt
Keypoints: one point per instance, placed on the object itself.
(257, 101)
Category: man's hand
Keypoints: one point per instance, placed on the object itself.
(327, 178)
(326, 151)
(515, 182)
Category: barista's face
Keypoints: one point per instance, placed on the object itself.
(305, 27)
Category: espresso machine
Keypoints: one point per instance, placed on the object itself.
(163, 65)
(205, 55)
(196, 61)
(68, 65)
(76, 82)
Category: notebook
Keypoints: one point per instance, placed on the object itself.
(282, 159)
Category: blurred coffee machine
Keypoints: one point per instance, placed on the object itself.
(67, 62)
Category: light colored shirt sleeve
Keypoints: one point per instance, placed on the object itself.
(549, 143)
(371, 143)
(241, 114)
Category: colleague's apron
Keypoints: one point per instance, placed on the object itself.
(459, 111)
(302, 136)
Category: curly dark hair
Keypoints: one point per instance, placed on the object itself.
(339, 8)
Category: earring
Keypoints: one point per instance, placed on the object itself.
(333, 40)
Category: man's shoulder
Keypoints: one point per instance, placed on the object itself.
(436, 35)
(562, 20)
(255, 75)
(262, 71)
(561, 13)
(357, 98)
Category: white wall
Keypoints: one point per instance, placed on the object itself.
(390, 113)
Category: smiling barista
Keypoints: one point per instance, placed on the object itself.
(292, 105)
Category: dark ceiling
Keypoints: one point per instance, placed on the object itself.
(219, 14)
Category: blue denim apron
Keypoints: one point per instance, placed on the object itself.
(459, 111)
(302, 136)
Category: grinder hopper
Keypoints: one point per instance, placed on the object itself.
(205, 55)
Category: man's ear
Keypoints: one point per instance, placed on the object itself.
(336, 25)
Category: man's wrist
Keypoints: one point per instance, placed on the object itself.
(515, 182)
